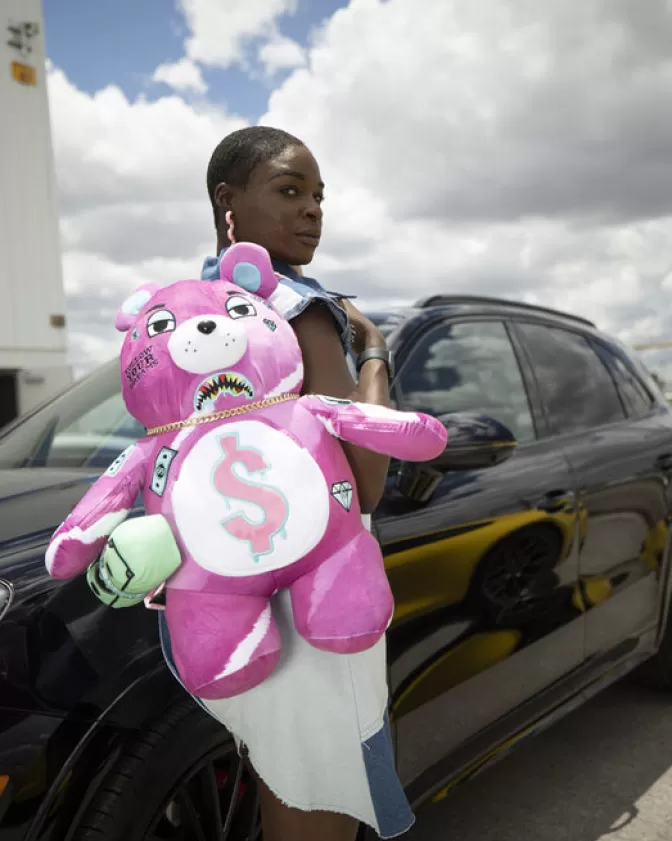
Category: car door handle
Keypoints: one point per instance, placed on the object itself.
(664, 462)
(555, 501)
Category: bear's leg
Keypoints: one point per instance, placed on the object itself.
(222, 644)
(346, 604)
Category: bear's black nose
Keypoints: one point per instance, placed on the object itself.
(206, 327)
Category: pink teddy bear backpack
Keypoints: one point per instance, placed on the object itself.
(250, 476)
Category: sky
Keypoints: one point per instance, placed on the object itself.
(501, 147)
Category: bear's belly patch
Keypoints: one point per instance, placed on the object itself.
(249, 500)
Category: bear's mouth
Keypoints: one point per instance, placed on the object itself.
(226, 382)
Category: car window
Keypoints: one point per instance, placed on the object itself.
(635, 395)
(86, 426)
(467, 366)
(577, 390)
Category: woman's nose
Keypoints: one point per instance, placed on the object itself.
(206, 327)
(314, 212)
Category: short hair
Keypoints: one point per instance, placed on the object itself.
(236, 156)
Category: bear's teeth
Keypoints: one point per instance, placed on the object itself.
(221, 383)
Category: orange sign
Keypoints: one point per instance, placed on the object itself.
(24, 73)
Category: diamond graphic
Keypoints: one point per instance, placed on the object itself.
(342, 493)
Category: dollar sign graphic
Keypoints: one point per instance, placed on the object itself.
(270, 501)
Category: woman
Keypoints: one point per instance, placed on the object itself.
(265, 187)
(316, 730)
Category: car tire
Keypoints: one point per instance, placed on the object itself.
(179, 771)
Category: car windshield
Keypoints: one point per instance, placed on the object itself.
(86, 426)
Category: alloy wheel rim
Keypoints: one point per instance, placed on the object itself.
(216, 798)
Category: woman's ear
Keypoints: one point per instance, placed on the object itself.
(132, 306)
(249, 266)
(222, 196)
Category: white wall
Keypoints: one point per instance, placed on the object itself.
(31, 284)
(32, 299)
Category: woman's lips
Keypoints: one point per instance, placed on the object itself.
(309, 238)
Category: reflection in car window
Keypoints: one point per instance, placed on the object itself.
(468, 367)
(638, 401)
(87, 426)
(576, 388)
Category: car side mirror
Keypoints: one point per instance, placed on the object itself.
(474, 442)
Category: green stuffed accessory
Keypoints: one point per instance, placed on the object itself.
(139, 556)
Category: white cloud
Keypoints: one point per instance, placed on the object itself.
(133, 202)
(221, 29)
(520, 108)
(111, 151)
(281, 53)
(517, 149)
(183, 75)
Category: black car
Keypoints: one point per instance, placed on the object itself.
(525, 582)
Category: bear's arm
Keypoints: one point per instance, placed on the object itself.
(409, 436)
(81, 537)
(326, 372)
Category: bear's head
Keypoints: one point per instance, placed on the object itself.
(196, 347)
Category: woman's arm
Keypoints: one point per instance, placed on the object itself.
(326, 372)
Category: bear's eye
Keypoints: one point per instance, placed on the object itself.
(239, 307)
(162, 321)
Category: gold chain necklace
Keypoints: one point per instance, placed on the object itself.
(225, 413)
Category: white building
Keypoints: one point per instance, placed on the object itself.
(32, 301)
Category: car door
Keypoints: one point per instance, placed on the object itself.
(484, 571)
(618, 440)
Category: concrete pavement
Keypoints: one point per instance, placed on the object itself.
(605, 772)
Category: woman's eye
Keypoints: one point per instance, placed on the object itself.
(238, 307)
(290, 191)
(162, 321)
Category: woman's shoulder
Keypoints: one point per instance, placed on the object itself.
(306, 289)
(295, 295)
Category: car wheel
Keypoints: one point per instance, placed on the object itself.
(180, 780)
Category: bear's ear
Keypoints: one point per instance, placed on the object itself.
(132, 306)
(249, 266)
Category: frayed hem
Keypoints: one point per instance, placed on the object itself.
(321, 807)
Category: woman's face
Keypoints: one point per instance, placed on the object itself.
(280, 208)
